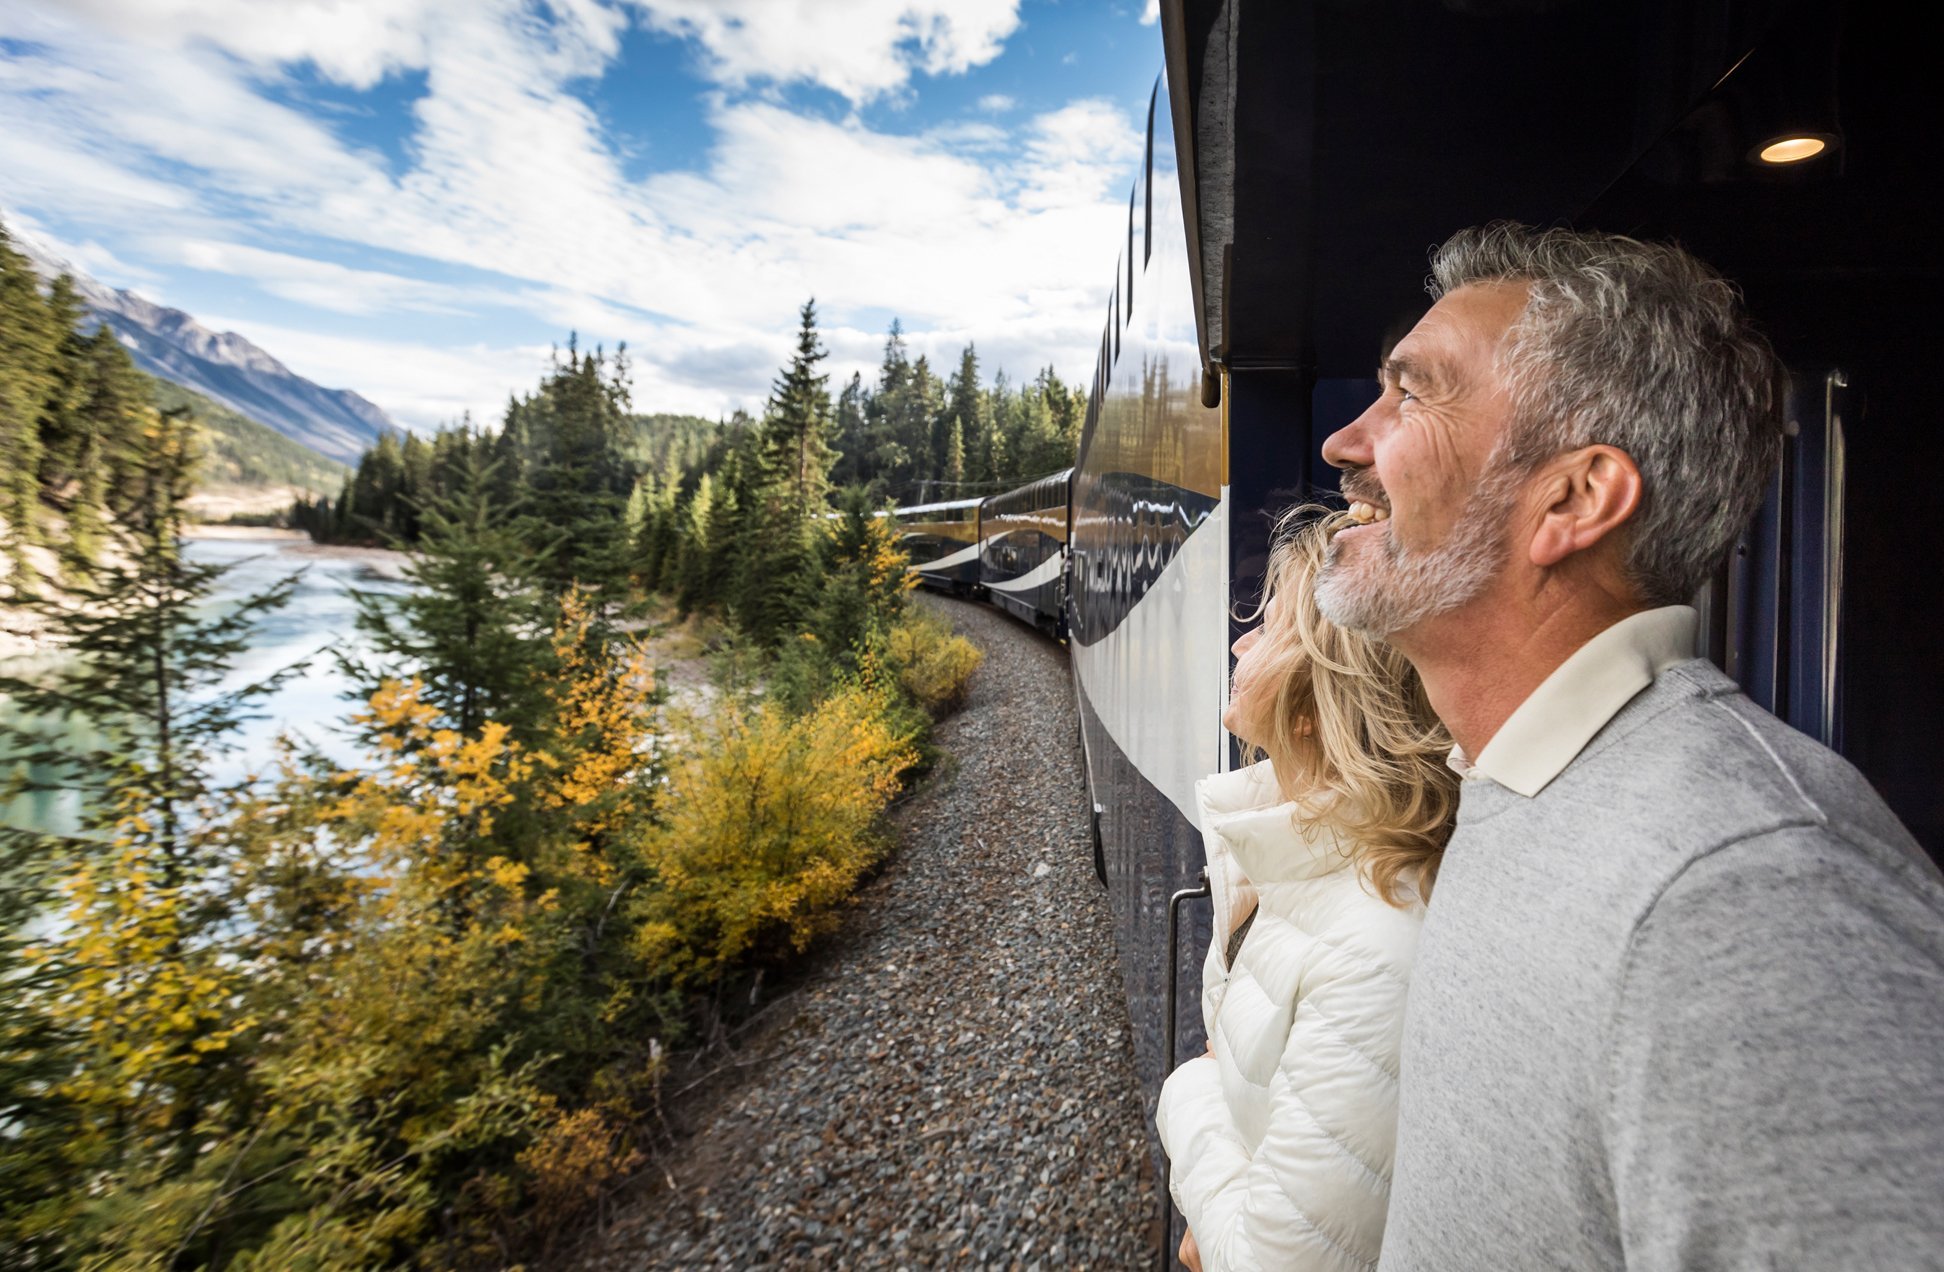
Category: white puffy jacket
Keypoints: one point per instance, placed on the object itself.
(1281, 1141)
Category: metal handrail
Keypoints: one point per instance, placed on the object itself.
(1201, 889)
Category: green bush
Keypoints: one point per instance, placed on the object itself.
(932, 664)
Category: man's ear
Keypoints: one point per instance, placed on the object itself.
(1589, 494)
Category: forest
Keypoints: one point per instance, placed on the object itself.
(682, 492)
(78, 427)
(420, 1010)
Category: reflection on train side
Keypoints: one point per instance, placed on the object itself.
(1126, 528)
(1022, 550)
(1149, 593)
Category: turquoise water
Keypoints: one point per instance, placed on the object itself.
(311, 705)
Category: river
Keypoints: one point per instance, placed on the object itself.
(320, 616)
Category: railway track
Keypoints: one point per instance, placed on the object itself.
(952, 1084)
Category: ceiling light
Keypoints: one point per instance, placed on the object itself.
(1786, 150)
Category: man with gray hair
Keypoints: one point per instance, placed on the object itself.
(1679, 1001)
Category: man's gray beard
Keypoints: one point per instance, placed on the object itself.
(1401, 588)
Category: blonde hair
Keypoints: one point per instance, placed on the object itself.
(1348, 728)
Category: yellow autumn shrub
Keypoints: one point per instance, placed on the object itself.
(577, 1154)
(932, 663)
(767, 823)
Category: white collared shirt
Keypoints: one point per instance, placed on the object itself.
(1558, 719)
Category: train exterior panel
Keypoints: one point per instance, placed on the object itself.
(942, 542)
(1023, 551)
(1149, 598)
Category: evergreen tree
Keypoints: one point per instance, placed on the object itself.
(965, 407)
(30, 343)
(576, 474)
(919, 407)
(473, 626)
(133, 980)
(955, 458)
(796, 455)
(863, 581)
(651, 526)
(697, 553)
(889, 458)
(852, 441)
(1068, 407)
(415, 485)
(112, 415)
(783, 498)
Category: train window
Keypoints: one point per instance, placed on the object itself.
(1116, 311)
(1147, 180)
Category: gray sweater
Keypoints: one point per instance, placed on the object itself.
(1682, 1009)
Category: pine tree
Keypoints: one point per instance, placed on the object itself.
(784, 498)
(133, 978)
(576, 476)
(964, 406)
(918, 409)
(852, 443)
(796, 454)
(651, 525)
(863, 582)
(473, 626)
(696, 550)
(30, 342)
(112, 413)
(955, 458)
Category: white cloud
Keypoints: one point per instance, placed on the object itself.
(871, 51)
(147, 118)
(327, 285)
(996, 103)
(1151, 14)
(355, 42)
(88, 256)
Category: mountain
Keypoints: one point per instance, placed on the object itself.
(222, 366)
(241, 453)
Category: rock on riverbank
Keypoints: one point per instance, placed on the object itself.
(953, 1084)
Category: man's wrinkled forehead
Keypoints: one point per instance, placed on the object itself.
(1457, 338)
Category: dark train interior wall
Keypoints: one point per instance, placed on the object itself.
(1841, 264)
(1641, 119)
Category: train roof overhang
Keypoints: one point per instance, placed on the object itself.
(1325, 146)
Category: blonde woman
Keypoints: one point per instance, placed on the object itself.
(1321, 856)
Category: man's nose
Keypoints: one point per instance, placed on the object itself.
(1351, 445)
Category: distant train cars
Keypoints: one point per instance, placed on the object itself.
(1010, 547)
(942, 540)
(1023, 551)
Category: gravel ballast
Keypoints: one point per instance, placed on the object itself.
(951, 1084)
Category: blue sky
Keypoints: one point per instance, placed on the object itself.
(417, 198)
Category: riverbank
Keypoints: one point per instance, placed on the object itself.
(381, 563)
(24, 634)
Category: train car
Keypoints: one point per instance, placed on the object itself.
(1301, 158)
(1023, 551)
(942, 541)
(1149, 588)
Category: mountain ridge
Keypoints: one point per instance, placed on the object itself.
(228, 368)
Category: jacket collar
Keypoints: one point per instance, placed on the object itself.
(1245, 817)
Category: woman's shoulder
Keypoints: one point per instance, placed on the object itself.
(1341, 908)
